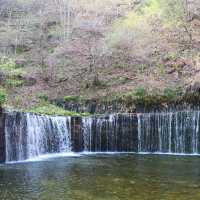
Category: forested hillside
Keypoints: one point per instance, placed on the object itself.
(97, 48)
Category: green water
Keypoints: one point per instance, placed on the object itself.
(103, 177)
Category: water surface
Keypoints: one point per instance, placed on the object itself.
(103, 177)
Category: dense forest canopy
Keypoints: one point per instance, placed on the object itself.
(96, 48)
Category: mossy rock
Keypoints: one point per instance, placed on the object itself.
(72, 98)
(46, 108)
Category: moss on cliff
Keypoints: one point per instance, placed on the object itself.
(46, 108)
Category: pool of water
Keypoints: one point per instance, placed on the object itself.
(103, 177)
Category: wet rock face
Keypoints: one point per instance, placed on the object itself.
(15, 130)
(77, 134)
(2, 138)
(149, 104)
(172, 132)
(95, 107)
(112, 133)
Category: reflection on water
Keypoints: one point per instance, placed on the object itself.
(103, 177)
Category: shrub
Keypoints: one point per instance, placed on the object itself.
(9, 67)
(161, 69)
(141, 68)
(170, 93)
(42, 96)
(7, 63)
(140, 92)
(11, 83)
(2, 96)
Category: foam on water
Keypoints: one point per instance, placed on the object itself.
(46, 157)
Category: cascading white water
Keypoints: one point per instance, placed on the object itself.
(29, 135)
(87, 133)
(176, 132)
(94, 131)
(113, 133)
(15, 124)
(47, 135)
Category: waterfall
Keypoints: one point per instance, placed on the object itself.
(169, 132)
(87, 133)
(113, 133)
(15, 136)
(29, 135)
(176, 132)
